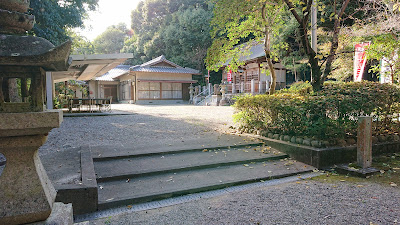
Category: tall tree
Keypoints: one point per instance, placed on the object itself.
(53, 17)
(187, 37)
(301, 11)
(178, 29)
(80, 44)
(236, 20)
(111, 40)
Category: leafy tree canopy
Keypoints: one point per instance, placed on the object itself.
(178, 29)
(111, 40)
(235, 21)
(53, 17)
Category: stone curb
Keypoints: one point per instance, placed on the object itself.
(84, 196)
(324, 157)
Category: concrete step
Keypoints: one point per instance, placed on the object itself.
(136, 166)
(136, 149)
(155, 187)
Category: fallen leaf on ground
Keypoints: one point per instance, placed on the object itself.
(245, 164)
(393, 184)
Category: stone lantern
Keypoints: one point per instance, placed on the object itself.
(26, 194)
(223, 101)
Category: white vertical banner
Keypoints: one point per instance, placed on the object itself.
(359, 61)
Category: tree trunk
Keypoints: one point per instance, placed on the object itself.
(316, 81)
(335, 42)
(312, 59)
(267, 50)
(273, 75)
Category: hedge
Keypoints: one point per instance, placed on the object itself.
(330, 113)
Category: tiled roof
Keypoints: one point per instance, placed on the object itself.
(159, 59)
(157, 69)
(151, 66)
(256, 51)
(114, 73)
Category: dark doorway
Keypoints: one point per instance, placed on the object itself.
(111, 90)
(185, 92)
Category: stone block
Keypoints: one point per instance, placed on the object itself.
(382, 138)
(351, 141)
(316, 144)
(299, 140)
(19, 124)
(341, 143)
(24, 195)
(396, 138)
(325, 157)
(374, 140)
(281, 137)
(286, 138)
(293, 140)
(325, 144)
(60, 214)
(84, 197)
(270, 135)
(276, 136)
(389, 137)
(27, 194)
(307, 142)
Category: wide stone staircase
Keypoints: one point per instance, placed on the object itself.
(126, 177)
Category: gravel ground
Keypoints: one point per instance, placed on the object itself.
(149, 124)
(305, 202)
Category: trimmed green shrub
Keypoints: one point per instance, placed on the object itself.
(330, 113)
(302, 88)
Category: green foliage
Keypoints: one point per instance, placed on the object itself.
(177, 29)
(80, 45)
(330, 113)
(53, 18)
(111, 40)
(66, 91)
(301, 88)
(385, 47)
(236, 22)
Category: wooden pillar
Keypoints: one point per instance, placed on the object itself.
(364, 141)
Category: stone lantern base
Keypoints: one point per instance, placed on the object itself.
(26, 193)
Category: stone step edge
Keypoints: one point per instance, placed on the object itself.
(175, 151)
(195, 167)
(160, 196)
